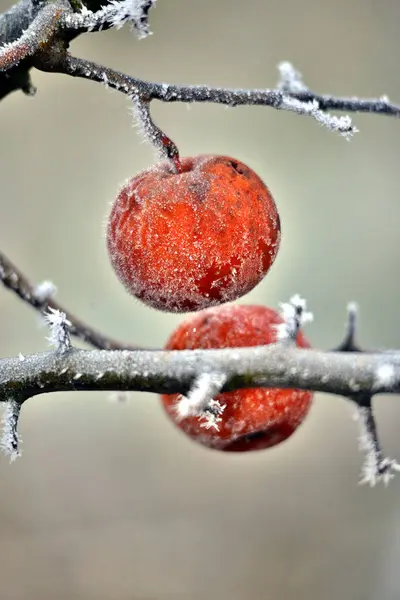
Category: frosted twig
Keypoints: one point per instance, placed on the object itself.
(211, 415)
(165, 147)
(9, 438)
(200, 399)
(376, 467)
(40, 298)
(294, 316)
(302, 103)
(114, 14)
(340, 124)
(44, 42)
(291, 81)
(59, 330)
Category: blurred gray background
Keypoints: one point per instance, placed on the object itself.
(110, 501)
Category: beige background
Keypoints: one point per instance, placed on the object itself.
(110, 502)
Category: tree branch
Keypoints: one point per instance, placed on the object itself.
(302, 103)
(200, 374)
(32, 41)
(40, 298)
(55, 24)
(276, 365)
(290, 95)
(33, 27)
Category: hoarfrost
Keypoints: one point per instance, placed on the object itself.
(59, 334)
(45, 291)
(9, 438)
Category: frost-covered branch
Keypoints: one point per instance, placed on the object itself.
(159, 371)
(59, 330)
(114, 14)
(290, 95)
(199, 375)
(294, 316)
(40, 31)
(9, 438)
(144, 91)
(199, 402)
(44, 45)
(40, 297)
(191, 373)
(376, 467)
(32, 32)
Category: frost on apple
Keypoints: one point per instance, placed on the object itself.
(187, 241)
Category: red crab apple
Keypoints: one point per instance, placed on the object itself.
(184, 241)
(253, 419)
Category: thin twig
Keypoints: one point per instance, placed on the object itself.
(377, 466)
(164, 92)
(146, 91)
(15, 281)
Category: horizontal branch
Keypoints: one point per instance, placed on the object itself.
(290, 95)
(199, 375)
(277, 365)
(302, 102)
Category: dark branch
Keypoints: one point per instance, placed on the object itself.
(50, 29)
(140, 91)
(35, 27)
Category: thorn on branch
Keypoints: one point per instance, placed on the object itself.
(376, 467)
(294, 316)
(9, 438)
(349, 344)
(59, 330)
(200, 400)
